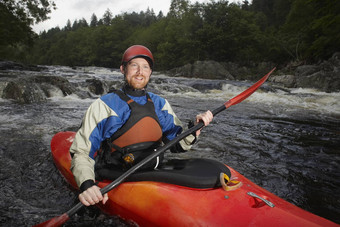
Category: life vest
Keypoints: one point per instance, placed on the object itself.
(135, 140)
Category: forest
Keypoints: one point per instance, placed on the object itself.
(278, 31)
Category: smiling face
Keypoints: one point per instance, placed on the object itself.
(137, 73)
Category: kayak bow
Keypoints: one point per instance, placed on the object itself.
(151, 203)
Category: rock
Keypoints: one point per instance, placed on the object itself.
(324, 76)
(306, 70)
(96, 86)
(210, 70)
(203, 86)
(62, 83)
(202, 69)
(237, 71)
(324, 81)
(9, 65)
(33, 89)
(12, 91)
(222, 70)
(252, 72)
(288, 81)
(23, 92)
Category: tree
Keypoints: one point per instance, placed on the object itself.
(75, 25)
(247, 33)
(107, 17)
(94, 20)
(83, 23)
(275, 11)
(16, 17)
(150, 17)
(245, 5)
(325, 29)
(68, 26)
(312, 29)
(178, 8)
(160, 15)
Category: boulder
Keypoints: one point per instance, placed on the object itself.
(96, 86)
(288, 81)
(62, 83)
(23, 92)
(32, 89)
(202, 69)
(324, 76)
(10, 65)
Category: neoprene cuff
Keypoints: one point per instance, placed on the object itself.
(86, 184)
(190, 125)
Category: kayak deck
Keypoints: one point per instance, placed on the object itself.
(150, 203)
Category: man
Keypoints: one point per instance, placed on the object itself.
(124, 126)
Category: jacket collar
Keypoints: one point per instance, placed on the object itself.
(133, 92)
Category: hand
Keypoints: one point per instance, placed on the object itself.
(206, 117)
(92, 195)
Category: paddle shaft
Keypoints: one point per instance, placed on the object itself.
(130, 171)
(237, 99)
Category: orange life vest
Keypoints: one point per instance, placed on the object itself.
(135, 140)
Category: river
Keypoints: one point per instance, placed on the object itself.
(285, 140)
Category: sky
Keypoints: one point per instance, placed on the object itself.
(78, 9)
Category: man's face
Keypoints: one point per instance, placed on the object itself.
(137, 73)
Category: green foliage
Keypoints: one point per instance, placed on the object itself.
(263, 30)
(312, 29)
(16, 17)
(107, 17)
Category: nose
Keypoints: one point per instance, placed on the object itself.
(139, 70)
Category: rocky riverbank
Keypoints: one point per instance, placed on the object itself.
(36, 83)
(324, 76)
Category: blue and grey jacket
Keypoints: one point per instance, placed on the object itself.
(104, 117)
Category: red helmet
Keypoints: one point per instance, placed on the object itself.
(136, 51)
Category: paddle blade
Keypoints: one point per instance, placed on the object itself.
(54, 222)
(239, 98)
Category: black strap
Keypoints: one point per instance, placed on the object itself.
(122, 95)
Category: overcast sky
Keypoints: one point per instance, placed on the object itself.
(78, 9)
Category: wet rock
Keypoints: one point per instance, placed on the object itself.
(324, 76)
(10, 65)
(6, 65)
(62, 83)
(202, 69)
(23, 92)
(203, 86)
(252, 71)
(96, 86)
(323, 81)
(288, 81)
(33, 89)
(222, 70)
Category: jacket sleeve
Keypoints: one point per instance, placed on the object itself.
(87, 141)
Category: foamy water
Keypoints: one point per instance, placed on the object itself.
(285, 140)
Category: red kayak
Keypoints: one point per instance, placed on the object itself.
(156, 203)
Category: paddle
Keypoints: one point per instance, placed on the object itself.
(57, 221)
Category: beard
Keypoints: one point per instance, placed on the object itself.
(135, 84)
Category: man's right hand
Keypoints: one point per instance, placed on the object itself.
(92, 195)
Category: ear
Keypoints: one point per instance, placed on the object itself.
(122, 69)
